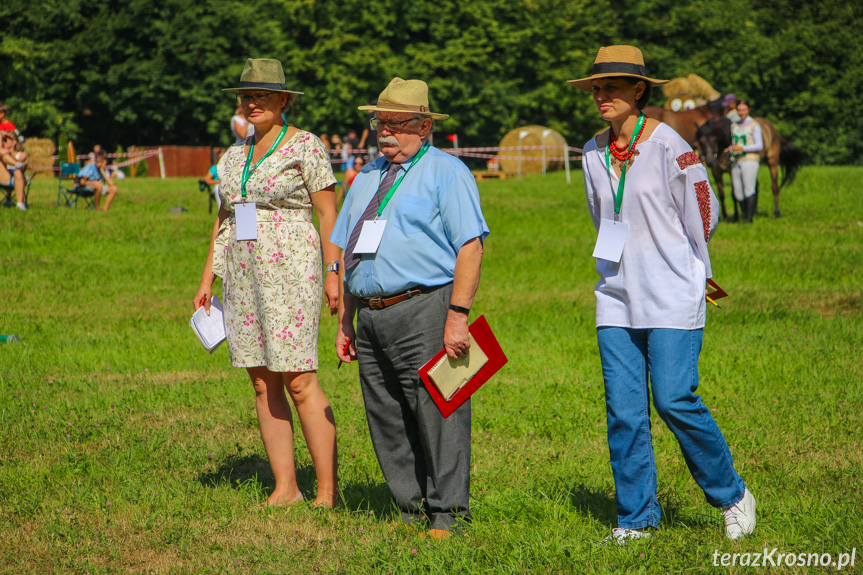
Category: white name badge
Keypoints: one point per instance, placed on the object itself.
(612, 237)
(370, 237)
(247, 222)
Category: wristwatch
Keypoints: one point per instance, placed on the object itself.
(333, 267)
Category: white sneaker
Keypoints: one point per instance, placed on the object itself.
(740, 517)
(21, 206)
(622, 535)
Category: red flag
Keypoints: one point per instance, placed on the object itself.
(452, 138)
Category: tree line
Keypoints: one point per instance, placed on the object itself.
(149, 72)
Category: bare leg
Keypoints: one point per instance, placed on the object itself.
(112, 191)
(97, 193)
(277, 432)
(319, 429)
(19, 186)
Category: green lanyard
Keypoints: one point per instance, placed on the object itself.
(248, 169)
(393, 189)
(618, 198)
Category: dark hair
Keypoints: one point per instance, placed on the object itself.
(745, 102)
(645, 96)
(101, 154)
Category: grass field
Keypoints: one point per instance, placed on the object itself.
(126, 448)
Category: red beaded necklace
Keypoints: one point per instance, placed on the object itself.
(620, 153)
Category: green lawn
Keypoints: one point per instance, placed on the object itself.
(126, 448)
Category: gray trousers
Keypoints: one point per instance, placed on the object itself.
(424, 457)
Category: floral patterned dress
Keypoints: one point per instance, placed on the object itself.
(273, 287)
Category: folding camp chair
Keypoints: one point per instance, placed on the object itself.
(68, 196)
(9, 191)
(211, 193)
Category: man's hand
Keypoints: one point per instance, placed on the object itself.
(456, 337)
(346, 336)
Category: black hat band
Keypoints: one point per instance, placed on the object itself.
(619, 68)
(263, 85)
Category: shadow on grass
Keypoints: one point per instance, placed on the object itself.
(598, 504)
(602, 506)
(253, 471)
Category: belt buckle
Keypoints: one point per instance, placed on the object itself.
(376, 303)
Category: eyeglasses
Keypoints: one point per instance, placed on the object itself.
(257, 99)
(391, 126)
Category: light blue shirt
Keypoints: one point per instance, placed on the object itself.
(433, 213)
(91, 172)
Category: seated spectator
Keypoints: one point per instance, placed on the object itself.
(350, 174)
(13, 160)
(5, 124)
(212, 180)
(96, 176)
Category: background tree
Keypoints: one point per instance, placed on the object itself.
(149, 72)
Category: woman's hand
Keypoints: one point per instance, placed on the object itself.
(202, 298)
(331, 291)
(737, 148)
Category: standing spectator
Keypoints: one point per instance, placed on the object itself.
(730, 103)
(412, 297)
(369, 138)
(336, 154)
(349, 145)
(350, 174)
(240, 127)
(96, 176)
(650, 299)
(12, 165)
(746, 148)
(267, 251)
(5, 124)
(325, 140)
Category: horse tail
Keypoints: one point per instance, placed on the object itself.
(791, 159)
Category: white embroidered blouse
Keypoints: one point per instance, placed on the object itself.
(672, 214)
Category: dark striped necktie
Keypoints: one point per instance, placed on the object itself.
(352, 259)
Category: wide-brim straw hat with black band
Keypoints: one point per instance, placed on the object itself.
(612, 61)
(409, 96)
(262, 74)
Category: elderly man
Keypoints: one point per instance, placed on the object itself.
(412, 231)
(95, 175)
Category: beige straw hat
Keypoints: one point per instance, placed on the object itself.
(405, 96)
(614, 61)
(262, 74)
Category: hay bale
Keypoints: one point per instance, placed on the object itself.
(688, 93)
(554, 142)
(40, 151)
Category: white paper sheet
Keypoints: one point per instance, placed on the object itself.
(370, 236)
(210, 329)
(612, 237)
(247, 222)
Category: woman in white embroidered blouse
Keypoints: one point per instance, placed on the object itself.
(646, 188)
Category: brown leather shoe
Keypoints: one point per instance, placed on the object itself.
(436, 534)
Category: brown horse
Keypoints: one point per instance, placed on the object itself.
(686, 122)
(713, 138)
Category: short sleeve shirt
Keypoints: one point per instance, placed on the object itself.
(433, 213)
(91, 172)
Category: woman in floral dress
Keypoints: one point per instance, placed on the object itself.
(272, 284)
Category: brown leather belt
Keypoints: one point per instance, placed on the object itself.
(382, 302)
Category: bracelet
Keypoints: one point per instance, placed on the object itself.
(458, 308)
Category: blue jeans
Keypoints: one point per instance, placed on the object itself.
(670, 356)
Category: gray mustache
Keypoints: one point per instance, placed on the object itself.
(388, 140)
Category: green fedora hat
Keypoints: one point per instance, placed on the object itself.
(262, 74)
(405, 96)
